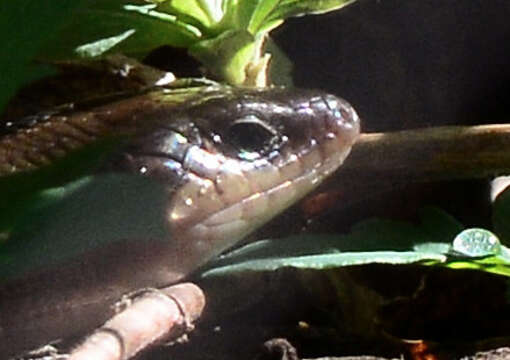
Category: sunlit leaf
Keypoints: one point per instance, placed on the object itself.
(226, 55)
(493, 264)
(326, 261)
(101, 46)
(288, 8)
(371, 241)
(206, 13)
(208, 28)
(106, 19)
(260, 15)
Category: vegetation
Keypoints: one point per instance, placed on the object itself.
(229, 38)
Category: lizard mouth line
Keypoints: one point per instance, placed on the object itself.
(156, 204)
(235, 217)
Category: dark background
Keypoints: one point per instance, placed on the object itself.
(408, 63)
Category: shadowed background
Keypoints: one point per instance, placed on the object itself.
(410, 63)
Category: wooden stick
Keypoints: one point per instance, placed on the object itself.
(154, 316)
(386, 161)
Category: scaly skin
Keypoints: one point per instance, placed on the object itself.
(194, 172)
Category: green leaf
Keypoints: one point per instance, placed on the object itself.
(371, 241)
(25, 26)
(227, 55)
(374, 241)
(101, 46)
(226, 36)
(109, 21)
(493, 264)
(288, 8)
(260, 15)
(246, 14)
(368, 235)
(326, 261)
(201, 13)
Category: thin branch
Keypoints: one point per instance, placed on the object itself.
(385, 161)
(152, 317)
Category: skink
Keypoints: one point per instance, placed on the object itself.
(194, 171)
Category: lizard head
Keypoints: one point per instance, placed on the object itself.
(238, 157)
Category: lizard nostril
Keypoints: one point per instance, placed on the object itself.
(340, 117)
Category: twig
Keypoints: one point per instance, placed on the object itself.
(385, 161)
(152, 317)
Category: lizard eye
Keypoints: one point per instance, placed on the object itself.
(251, 137)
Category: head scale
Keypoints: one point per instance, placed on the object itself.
(237, 158)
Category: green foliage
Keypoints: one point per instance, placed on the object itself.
(131, 27)
(25, 27)
(226, 36)
(434, 241)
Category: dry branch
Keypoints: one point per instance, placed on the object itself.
(385, 161)
(153, 317)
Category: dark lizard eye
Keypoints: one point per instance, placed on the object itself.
(251, 137)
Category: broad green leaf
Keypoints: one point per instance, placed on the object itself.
(101, 46)
(263, 15)
(226, 36)
(493, 264)
(206, 13)
(433, 247)
(25, 26)
(240, 14)
(372, 241)
(226, 55)
(369, 235)
(270, 25)
(191, 8)
(288, 8)
(113, 19)
(326, 261)
(153, 12)
(260, 15)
